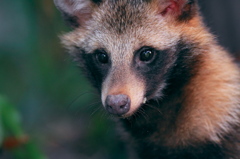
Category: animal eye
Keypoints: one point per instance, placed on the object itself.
(102, 57)
(146, 55)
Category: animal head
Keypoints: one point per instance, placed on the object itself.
(129, 49)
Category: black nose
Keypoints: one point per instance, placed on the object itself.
(118, 104)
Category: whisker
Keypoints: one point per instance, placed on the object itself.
(76, 98)
(104, 114)
(158, 110)
(136, 115)
(102, 111)
(145, 115)
(157, 101)
(96, 110)
(88, 107)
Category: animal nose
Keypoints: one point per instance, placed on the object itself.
(118, 104)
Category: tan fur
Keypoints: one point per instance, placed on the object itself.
(212, 98)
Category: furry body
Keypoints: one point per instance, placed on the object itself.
(191, 84)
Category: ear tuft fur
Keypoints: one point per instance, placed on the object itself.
(75, 12)
(183, 10)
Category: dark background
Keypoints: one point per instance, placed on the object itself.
(223, 18)
(58, 107)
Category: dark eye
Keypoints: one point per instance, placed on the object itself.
(146, 55)
(102, 58)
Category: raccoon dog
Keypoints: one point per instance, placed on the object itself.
(157, 67)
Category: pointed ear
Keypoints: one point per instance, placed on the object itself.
(75, 12)
(182, 10)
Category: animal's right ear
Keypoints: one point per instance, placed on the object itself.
(75, 12)
(181, 10)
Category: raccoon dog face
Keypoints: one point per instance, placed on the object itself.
(128, 49)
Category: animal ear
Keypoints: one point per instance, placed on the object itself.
(75, 12)
(183, 10)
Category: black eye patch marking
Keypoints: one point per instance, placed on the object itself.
(148, 59)
(166, 70)
(95, 65)
(151, 65)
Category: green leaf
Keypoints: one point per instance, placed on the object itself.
(10, 119)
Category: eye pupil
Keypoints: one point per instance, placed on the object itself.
(102, 57)
(146, 55)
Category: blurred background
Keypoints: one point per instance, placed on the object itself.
(58, 108)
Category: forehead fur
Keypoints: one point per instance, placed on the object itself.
(121, 15)
(124, 26)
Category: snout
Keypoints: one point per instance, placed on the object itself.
(122, 92)
(118, 104)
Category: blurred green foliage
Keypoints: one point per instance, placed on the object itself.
(10, 120)
(58, 107)
(12, 136)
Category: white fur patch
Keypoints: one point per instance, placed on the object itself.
(144, 100)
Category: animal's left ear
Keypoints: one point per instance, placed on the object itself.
(182, 10)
